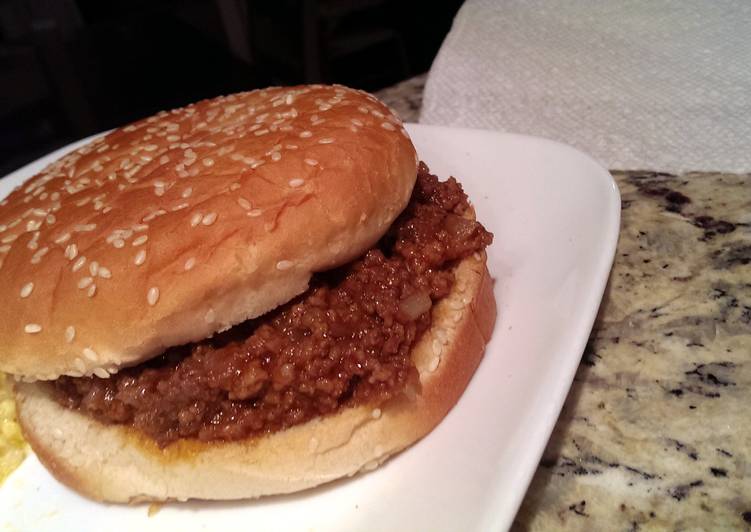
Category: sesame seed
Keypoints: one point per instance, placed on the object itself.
(326, 140)
(311, 162)
(291, 146)
(195, 219)
(234, 186)
(305, 134)
(260, 132)
(208, 161)
(434, 364)
(388, 126)
(187, 192)
(152, 296)
(158, 191)
(275, 156)
(164, 159)
(140, 257)
(255, 213)
(33, 225)
(245, 204)
(190, 263)
(8, 239)
(140, 240)
(210, 316)
(84, 282)
(79, 364)
(104, 273)
(140, 227)
(376, 413)
(37, 257)
(33, 244)
(32, 328)
(71, 251)
(121, 234)
(377, 113)
(101, 373)
(118, 243)
(79, 263)
(362, 109)
(5, 248)
(70, 333)
(209, 219)
(27, 289)
(91, 291)
(151, 147)
(297, 182)
(93, 268)
(284, 265)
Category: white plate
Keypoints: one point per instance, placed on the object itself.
(555, 214)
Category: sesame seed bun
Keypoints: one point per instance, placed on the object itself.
(188, 222)
(116, 463)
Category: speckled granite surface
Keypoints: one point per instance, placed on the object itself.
(656, 430)
(405, 98)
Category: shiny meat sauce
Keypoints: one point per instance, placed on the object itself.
(346, 341)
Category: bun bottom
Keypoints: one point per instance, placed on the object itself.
(119, 464)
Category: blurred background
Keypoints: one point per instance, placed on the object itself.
(71, 68)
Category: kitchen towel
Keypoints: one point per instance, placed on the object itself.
(642, 84)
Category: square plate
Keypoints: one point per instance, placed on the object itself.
(555, 214)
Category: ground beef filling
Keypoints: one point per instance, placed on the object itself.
(346, 341)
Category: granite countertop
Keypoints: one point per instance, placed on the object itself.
(656, 430)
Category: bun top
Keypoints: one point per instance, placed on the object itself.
(185, 223)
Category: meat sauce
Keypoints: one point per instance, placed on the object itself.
(346, 341)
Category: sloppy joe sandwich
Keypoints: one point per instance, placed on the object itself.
(250, 295)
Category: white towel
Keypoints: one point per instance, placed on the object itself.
(641, 84)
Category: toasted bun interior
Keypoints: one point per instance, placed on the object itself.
(114, 463)
(190, 221)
